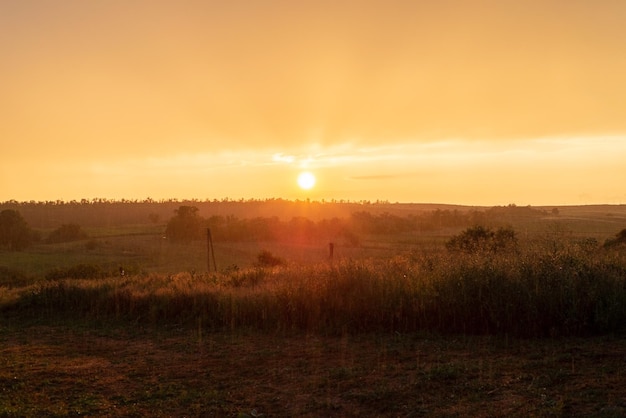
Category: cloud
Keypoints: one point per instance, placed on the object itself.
(381, 177)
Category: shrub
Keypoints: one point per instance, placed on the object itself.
(66, 233)
(267, 259)
(480, 239)
(619, 240)
(13, 278)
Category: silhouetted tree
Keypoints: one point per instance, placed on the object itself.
(15, 234)
(186, 226)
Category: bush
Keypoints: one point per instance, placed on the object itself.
(481, 239)
(13, 278)
(267, 259)
(619, 240)
(66, 233)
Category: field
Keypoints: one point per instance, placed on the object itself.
(394, 325)
(61, 369)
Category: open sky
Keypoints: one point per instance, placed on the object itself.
(467, 102)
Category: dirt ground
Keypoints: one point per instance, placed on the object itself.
(49, 369)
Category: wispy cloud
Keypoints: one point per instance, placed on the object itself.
(382, 176)
(454, 151)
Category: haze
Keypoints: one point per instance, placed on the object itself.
(480, 103)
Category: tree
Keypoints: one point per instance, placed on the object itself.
(186, 226)
(66, 233)
(15, 234)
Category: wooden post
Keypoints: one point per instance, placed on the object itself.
(331, 250)
(210, 252)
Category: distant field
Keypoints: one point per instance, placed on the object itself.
(599, 222)
(142, 247)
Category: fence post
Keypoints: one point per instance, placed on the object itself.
(210, 252)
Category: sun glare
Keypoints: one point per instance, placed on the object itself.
(306, 180)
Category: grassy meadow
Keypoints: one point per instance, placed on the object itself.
(396, 324)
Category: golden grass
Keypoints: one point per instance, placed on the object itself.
(557, 290)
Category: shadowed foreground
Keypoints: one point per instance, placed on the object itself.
(60, 370)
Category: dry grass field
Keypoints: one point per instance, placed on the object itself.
(398, 325)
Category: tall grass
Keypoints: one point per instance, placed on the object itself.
(533, 293)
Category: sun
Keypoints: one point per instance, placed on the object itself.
(306, 180)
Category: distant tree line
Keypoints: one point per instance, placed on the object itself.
(387, 223)
(108, 212)
(187, 225)
(101, 212)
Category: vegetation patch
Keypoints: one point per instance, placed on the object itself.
(618, 241)
(532, 294)
(66, 233)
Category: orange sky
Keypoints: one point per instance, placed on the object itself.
(480, 103)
